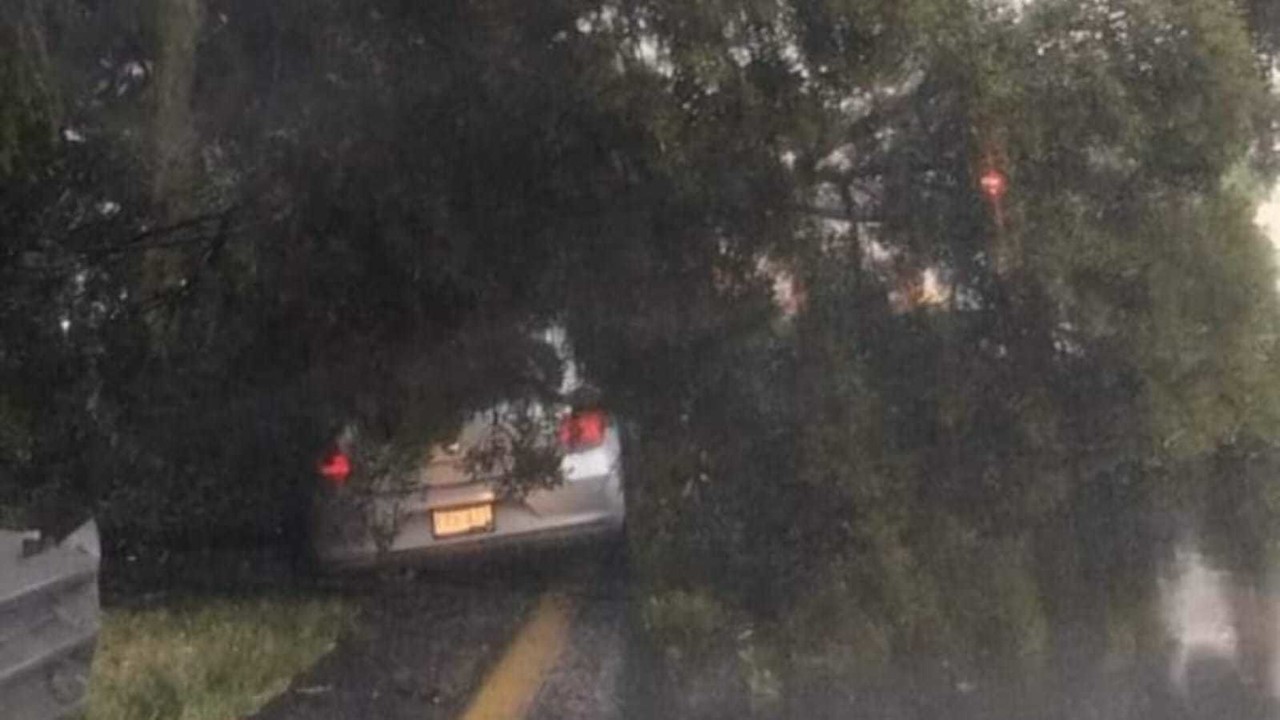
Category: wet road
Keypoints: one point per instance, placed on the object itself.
(443, 644)
(586, 682)
(426, 642)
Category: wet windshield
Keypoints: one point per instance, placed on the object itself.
(640, 358)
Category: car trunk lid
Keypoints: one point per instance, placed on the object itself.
(482, 450)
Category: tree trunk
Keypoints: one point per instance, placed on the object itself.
(175, 149)
(177, 31)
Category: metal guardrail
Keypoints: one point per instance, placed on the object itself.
(48, 623)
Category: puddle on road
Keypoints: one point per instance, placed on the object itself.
(1268, 218)
(1213, 617)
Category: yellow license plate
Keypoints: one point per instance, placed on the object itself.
(462, 520)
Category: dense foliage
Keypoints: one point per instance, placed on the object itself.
(229, 224)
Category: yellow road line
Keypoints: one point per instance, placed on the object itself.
(510, 687)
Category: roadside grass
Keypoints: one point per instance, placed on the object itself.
(208, 658)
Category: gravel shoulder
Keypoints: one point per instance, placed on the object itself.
(587, 679)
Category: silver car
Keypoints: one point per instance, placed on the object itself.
(457, 497)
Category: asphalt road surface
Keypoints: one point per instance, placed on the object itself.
(432, 644)
(546, 637)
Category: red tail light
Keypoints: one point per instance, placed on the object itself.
(583, 429)
(336, 468)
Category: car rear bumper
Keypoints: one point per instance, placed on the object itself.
(583, 509)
